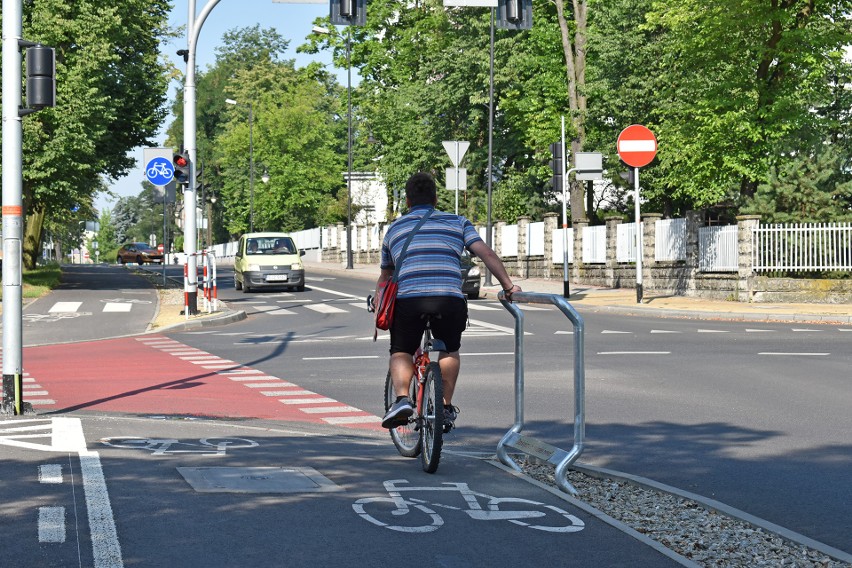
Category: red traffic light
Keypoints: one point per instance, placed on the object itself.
(182, 167)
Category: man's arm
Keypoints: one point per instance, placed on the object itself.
(495, 265)
(384, 276)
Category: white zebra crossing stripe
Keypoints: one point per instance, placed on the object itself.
(51, 524)
(329, 409)
(325, 309)
(65, 307)
(294, 392)
(352, 419)
(482, 307)
(117, 307)
(312, 400)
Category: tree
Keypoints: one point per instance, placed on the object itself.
(109, 100)
(741, 83)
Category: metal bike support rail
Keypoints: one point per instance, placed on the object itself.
(557, 457)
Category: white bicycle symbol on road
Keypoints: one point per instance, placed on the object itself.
(418, 516)
(163, 446)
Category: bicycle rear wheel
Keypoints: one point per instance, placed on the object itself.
(405, 438)
(432, 429)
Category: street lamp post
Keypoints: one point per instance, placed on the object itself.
(251, 160)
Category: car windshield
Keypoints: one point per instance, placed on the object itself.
(270, 245)
(142, 247)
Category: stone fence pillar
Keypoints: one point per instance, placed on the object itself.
(612, 223)
(550, 225)
(577, 266)
(523, 257)
(498, 237)
(694, 221)
(649, 249)
(745, 249)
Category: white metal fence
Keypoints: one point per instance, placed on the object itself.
(717, 249)
(670, 243)
(594, 244)
(812, 246)
(625, 242)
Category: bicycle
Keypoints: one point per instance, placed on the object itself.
(423, 433)
(412, 515)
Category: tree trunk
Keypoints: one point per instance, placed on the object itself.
(33, 225)
(574, 51)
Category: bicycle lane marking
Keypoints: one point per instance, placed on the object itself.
(155, 374)
(65, 435)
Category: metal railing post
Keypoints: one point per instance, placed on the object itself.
(559, 458)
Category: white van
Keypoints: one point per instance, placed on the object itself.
(268, 260)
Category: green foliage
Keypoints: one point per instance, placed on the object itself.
(805, 189)
(110, 89)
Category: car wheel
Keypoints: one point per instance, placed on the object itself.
(246, 288)
(473, 295)
(237, 284)
(139, 260)
(300, 288)
(119, 260)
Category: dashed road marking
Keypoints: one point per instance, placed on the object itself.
(65, 307)
(51, 524)
(325, 309)
(116, 307)
(50, 473)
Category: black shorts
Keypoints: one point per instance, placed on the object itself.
(408, 325)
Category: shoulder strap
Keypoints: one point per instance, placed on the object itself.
(404, 250)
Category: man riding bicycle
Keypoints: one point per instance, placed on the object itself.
(430, 283)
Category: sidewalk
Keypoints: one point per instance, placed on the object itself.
(623, 300)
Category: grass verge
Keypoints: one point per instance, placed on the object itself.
(39, 281)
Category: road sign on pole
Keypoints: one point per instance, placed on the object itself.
(159, 171)
(457, 179)
(456, 149)
(637, 146)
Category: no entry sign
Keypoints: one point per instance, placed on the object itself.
(637, 146)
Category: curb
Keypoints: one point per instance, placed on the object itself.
(223, 318)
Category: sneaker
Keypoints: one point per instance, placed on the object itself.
(398, 414)
(450, 414)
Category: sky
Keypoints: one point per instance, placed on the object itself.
(293, 22)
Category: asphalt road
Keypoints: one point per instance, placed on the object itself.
(754, 415)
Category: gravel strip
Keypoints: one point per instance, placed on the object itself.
(702, 535)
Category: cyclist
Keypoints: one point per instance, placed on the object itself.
(430, 283)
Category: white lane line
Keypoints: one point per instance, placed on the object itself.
(265, 308)
(312, 400)
(240, 372)
(362, 305)
(352, 419)
(563, 333)
(276, 311)
(117, 307)
(105, 548)
(844, 329)
(65, 307)
(50, 473)
(748, 330)
(712, 331)
(29, 380)
(463, 354)
(42, 402)
(338, 358)
(634, 352)
(491, 326)
(806, 330)
(325, 309)
(336, 293)
(663, 331)
(51, 524)
(31, 386)
(36, 393)
(606, 331)
(254, 378)
(482, 308)
(794, 354)
(223, 365)
(200, 357)
(329, 409)
(528, 308)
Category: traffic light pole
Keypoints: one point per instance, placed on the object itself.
(566, 291)
(190, 244)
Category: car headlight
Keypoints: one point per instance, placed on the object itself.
(474, 272)
(296, 266)
(254, 268)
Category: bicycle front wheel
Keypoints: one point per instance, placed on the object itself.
(405, 438)
(432, 429)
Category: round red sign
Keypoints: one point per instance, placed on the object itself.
(637, 146)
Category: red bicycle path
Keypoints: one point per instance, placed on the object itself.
(155, 374)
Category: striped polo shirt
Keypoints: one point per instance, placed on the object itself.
(431, 266)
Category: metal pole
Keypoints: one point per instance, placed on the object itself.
(565, 286)
(349, 149)
(190, 246)
(488, 281)
(13, 221)
(251, 167)
(639, 247)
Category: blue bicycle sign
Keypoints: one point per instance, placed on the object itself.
(160, 171)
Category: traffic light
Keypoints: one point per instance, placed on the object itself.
(514, 14)
(41, 77)
(348, 12)
(629, 176)
(182, 167)
(557, 166)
